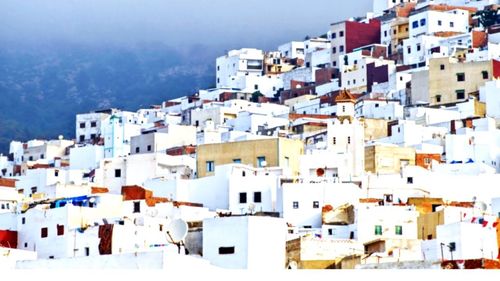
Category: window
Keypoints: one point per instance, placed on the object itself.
(44, 232)
(93, 136)
(334, 50)
(451, 24)
(334, 140)
(414, 24)
(460, 94)
(378, 230)
(243, 197)
(427, 160)
(56, 173)
(460, 77)
(93, 124)
(385, 33)
(82, 138)
(210, 166)
(137, 207)
(295, 204)
(60, 230)
(33, 190)
(399, 230)
(349, 140)
(341, 33)
(137, 149)
(257, 197)
(485, 74)
(256, 87)
(422, 22)
(261, 161)
(30, 158)
(440, 22)
(418, 47)
(82, 125)
(226, 250)
(334, 35)
(409, 50)
(441, 67)
(330, 231)
(438, 98)
(315, 204)
(26, 245)
(343, 108)
(118, 173)
(149, 147)
(409, 180)
(341, 48)
(87, 251)
(23, 220)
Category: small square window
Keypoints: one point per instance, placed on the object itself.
(409, 180)
(315, 204)
(261, 161)
(452, 24)
(399, 230)
(137, 207)
(118, 173)
(210, 166)
(243, 197)
(44, 232)
(378, 230)
(82, 138)
(460, 94)
(295, 204)
(257, 197)
(341, 48)
(441, 67)
(137, 149)
(330, 231)
(485, 74)
(440, 22)
(460, 77)
(237, 161)
(60, 230)
(334, 35)
(438, 98)
(149, 147)
(93, 124)
(341, 33)
(82, 125)
(226, 250)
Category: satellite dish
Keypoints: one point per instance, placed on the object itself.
(177, 231)
(480, 205)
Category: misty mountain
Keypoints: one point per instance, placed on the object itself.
(43, 87)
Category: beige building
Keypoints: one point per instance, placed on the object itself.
(449, 81)
(273, 152)
(387, 159)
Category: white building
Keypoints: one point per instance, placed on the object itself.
(292, 50)
(88, 125)
(380, 109)
(246, 242)
(428, 22)
(379, 6)
(465, 240)
(489, 95)
(117, 131)
(174, 135)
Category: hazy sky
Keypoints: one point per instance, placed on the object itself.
(253, 23)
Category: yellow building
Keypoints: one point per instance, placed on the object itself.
(276, 152)
(387, 159)
(399, 32)
(449, 81)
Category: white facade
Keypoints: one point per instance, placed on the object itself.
(292, 50)
(489, 95)
(471, 241)
(117, 131)
(430, 22)
(389, 222)
(346, 137)
(246, 242)
(85, 157)
(380, 109)
(88, 126)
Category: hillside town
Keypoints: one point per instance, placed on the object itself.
(374, 145)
